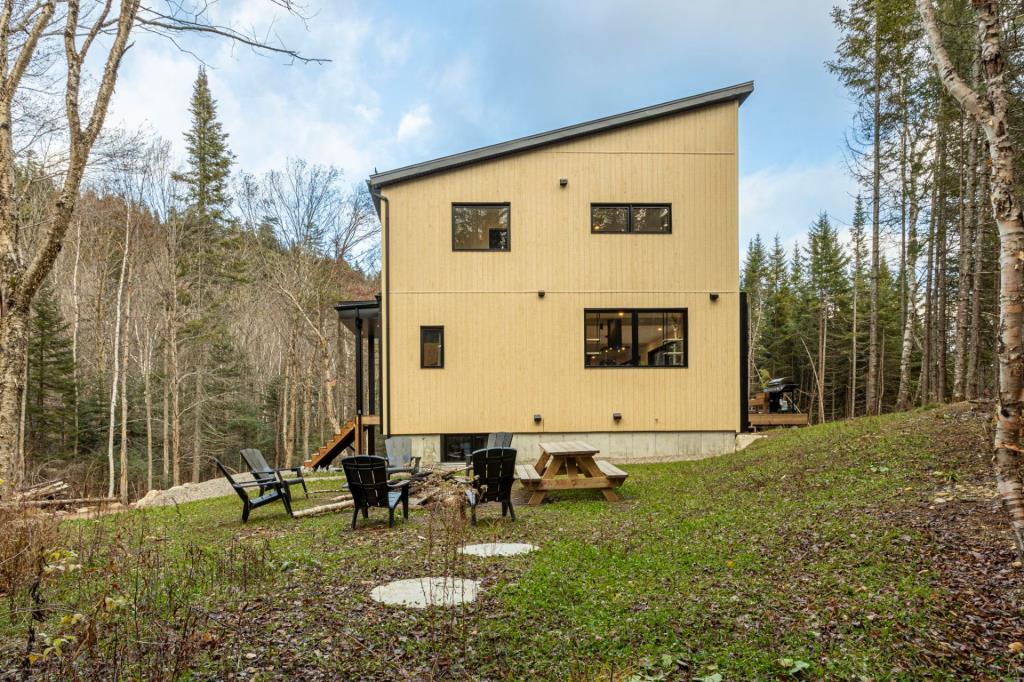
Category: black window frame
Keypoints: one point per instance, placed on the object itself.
(480, 438)
(483, 204)
(629, 217)
(424, 329)
(635, 338)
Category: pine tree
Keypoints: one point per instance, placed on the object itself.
(49, 404)
(209, 159)
(827, 308)
(859, 279)
(754, 282)
(207, 244)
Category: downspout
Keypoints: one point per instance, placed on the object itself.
(386, 352)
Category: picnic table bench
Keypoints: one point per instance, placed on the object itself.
(574, 459)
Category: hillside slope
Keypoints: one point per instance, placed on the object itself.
(871, 549)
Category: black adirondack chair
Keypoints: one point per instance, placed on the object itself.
(266, 474)
(278, 491)
(368, 482)
(501, 439)
(493, 475)
(400, 459)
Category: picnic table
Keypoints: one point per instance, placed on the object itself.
(574, 459)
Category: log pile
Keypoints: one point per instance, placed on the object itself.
(50, 490)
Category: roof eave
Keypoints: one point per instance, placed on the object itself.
(738, 93)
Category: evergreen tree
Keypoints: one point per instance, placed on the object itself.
(209, 159)
(210, 255)
(49, 404)
(755, 283)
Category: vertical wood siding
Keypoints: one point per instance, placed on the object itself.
(510, 354)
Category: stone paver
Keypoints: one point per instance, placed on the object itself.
(489, 549)
(419, 593)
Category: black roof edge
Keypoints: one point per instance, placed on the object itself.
(738, 92)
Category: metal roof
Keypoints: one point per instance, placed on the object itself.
(736, 92)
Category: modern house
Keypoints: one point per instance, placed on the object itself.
(581, 283)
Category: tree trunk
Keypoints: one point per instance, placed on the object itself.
(963, 293)
(991, 113)
(977, 258)
(871, 385)
(116, 372)
(852, 407)
(198, 397)
(166, 440)
(124, 402)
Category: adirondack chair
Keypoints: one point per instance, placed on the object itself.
(266, 474)
(493, 475)
(502, 439)
(279, 491)
(368, 482)
(400, 459)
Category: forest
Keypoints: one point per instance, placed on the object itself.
(190, 310)
(901, 309)
(178, 307)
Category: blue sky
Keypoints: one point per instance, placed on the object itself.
(410, 81)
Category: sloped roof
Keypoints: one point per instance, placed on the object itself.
(738, 93)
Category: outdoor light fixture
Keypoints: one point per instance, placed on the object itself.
(536, 419)
(562, 182)
(617, 416)
(540, 294)
(713, 295)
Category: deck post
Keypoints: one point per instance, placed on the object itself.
(372, 369)
(359, 366)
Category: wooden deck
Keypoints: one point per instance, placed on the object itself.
(767, 419)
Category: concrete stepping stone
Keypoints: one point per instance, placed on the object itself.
(489, 549)
(419, 593)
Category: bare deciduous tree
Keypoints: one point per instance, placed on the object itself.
(43, 37)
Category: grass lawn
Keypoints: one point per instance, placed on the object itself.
(869, 550)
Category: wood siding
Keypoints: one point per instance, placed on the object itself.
(510, 354)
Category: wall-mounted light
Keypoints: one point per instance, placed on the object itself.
(536, 419)
(713, 295)
(562, 182)
(540, 294)
(617, 416)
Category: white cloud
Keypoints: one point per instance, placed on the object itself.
(785, 200)
(414, 123)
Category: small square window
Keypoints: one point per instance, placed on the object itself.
(431, 347)
(481, 227)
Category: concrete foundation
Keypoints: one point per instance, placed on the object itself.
(619, 446)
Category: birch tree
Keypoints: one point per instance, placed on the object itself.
(989, 109)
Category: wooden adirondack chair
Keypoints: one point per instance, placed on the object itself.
(493, 476)
(279, 491)
(264, 473)
(368, 482)
(400, 459)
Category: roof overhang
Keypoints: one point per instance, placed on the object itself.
(737, 93)
(367, 310)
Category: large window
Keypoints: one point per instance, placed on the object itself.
(635, 338)
(431, 347)
(642, 218)
(481, 227)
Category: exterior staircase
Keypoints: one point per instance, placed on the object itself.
(335, 446)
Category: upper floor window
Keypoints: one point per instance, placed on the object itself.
(635, 338)
(481, 227)
(644, 218)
